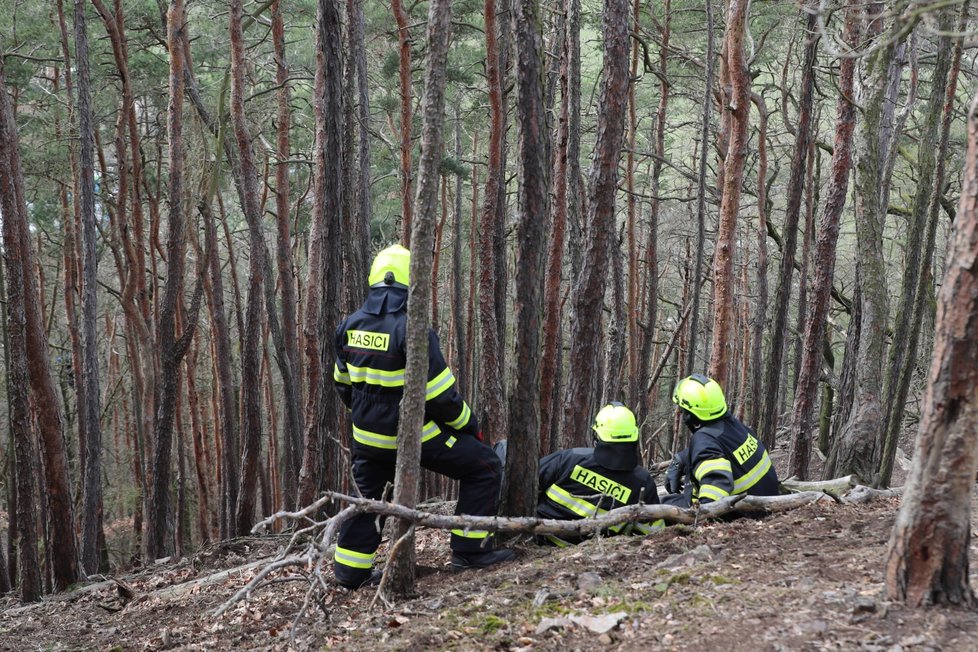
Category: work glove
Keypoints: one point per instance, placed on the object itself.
(675, 473)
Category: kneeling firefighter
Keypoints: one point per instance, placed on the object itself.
(371, 357)
(586, 482)
(724, 456)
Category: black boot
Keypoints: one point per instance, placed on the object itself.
(354, 579)
(481, 558)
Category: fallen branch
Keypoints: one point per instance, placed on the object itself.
(835, 487)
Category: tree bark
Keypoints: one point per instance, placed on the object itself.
(520, 492)
(419, 298)
(14, 209)
(927, 559)
(796, 184)
(580, 398)
(753, 400)
(803, 410)
(404, 78)
(88, 410)
(733, 177)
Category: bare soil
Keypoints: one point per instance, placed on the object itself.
(810, 579)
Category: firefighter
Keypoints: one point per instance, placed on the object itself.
(586, 482)
(724, 456)
(369, 375)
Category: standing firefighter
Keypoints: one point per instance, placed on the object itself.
(724, 456)
(369, 375)
(587, 482)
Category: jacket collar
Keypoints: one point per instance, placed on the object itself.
(383, 300)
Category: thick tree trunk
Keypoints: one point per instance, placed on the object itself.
(768, 424)
(927, 560)
(588, 294)
(733, 177)
(803, 410)
(14, 210)
(520, 493)
(418, 321)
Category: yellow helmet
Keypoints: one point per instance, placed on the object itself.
(392, 265)
(701, 396)
(615, 424)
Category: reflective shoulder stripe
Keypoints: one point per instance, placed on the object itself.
(710, 492)
(440, 383)
(577, 505)
(752, 477)
(463, 418)
(340, 376)
(389, 442)
(353, 558)
(715, 464)
(471, 534)
(380, 377)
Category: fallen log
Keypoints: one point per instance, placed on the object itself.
(834, 487)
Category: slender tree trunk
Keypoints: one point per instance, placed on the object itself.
(927, 559)
(251, 420)
(159, 539)
(490, 368)
(359, 252)
(418, 324)
(89, 410)
(520, 493)
(856, 451)
(701, 195)
(602, 184)
(733, 171)
(404, 77)
(803, 410)
(292, 394)
(768, 424)
(753, 400)
(13, 208)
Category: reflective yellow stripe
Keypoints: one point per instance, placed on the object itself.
(463, 418)
(601, 484)
(389, 442)
(471, 534)
(649, 528)
(716, 464)
(752, 477)
(353, 558)
(439, 384)
(340, 376)
(379, 377)
(710, 492)
(580, 507)
(557, 541)
(450, 442)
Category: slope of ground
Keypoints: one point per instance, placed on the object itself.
(810, 579)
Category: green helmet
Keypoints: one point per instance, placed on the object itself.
(701, 396)
(391, 266)
(615, 424)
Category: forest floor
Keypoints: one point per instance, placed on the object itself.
(808, 579)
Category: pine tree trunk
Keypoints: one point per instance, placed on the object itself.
(404, 78)
(803, 410)
(520, 493)
(589, 290)
(733, 176)
(752, 398)
(418, 319)
(927, 559)
(14, 209)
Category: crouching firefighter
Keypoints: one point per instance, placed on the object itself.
(724, 457)
(587, 482)
(369, 374)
